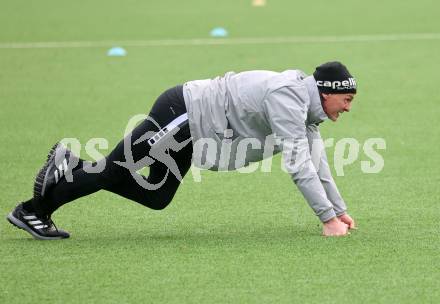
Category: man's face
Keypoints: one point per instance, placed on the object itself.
(335, 104)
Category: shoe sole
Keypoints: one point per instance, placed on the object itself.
(19, 224)
(41, 178)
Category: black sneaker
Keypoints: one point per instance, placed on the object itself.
(39, 227)
(60, 162)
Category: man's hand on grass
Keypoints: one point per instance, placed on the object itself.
(334, 227)
(345, 218)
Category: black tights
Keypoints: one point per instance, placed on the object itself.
(118, 179)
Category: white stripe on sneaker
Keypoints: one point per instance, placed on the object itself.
(40, 226)
(35, 222)
(29, 217)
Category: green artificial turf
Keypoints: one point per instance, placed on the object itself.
(233, 238)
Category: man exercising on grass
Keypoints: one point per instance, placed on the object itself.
(210, 123)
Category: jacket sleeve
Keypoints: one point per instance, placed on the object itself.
(319, 159)
(286, 113)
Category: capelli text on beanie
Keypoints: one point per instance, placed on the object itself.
(334, 78)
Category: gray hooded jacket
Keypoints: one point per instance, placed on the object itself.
(270, 112)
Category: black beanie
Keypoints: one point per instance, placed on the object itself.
(334, 78)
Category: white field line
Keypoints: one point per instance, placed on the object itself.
(223, 41)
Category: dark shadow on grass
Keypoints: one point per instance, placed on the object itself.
(215, 237)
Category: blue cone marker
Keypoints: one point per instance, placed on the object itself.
(116, 52)
(219, 32)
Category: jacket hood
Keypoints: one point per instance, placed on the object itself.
(316, 113)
